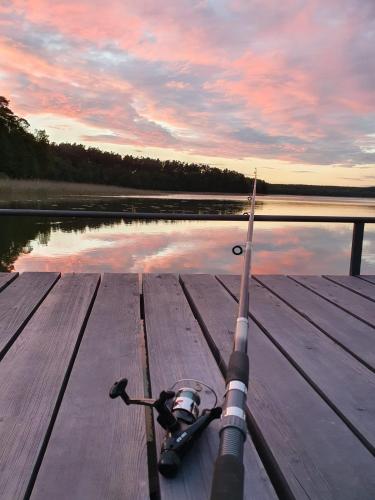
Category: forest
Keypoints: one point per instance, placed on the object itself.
(308, 190)
(27, 155)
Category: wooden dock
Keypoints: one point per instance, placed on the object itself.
(65, 339)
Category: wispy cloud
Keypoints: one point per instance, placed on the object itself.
(285, 80)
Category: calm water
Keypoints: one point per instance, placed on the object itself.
(35, 244)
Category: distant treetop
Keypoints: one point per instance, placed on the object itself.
(30, 156)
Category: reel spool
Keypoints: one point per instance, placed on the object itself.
(186, 405)
(188, 398)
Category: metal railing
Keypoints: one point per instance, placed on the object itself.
(358, 222)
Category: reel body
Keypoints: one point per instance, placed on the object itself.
(179, 414)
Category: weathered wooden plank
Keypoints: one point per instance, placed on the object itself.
(19, 301)
(342, 380)
(6, 279)
(97, 449)
(354, 335)
(351, 302)
(370, 279)
(354, 284)
(177, 349)
(319, 457)
(32, 376)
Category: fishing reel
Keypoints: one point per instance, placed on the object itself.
(179, 414)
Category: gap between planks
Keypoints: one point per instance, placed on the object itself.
(355, 285)
(345, 299)
(31, 395)
(19, 301)
(277, 397)
(81, 462)
(368, 278)
(177, 349)
(331, 320)
(342, 381)
(6, 279)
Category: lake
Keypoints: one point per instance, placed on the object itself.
(96, 245)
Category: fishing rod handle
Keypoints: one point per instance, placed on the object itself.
(229, 474)
(228, 479)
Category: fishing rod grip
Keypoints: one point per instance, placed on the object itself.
(228, 478)
(238, 368)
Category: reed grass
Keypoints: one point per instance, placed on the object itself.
(16, 188)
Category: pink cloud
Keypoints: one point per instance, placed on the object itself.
(185, 247)
(84, 20)
(177, 85)
(283, 80)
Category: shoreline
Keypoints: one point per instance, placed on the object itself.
(22, 187)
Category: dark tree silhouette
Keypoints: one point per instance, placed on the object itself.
(24, 155)
(31, 156)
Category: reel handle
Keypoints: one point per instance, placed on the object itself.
(118, 390)
(165, 418)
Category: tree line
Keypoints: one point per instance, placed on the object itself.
(25, 155)
(308, 190)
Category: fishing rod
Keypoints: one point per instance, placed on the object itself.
(229, 472)
(178, 407)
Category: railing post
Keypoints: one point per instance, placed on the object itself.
(356, 256)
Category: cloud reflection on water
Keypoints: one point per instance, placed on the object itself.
(197, 247)
(69, 244)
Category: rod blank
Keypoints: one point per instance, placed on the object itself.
(228, 479)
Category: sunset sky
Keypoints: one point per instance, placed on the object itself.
(287, 86)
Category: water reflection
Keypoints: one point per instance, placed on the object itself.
(37, 244)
